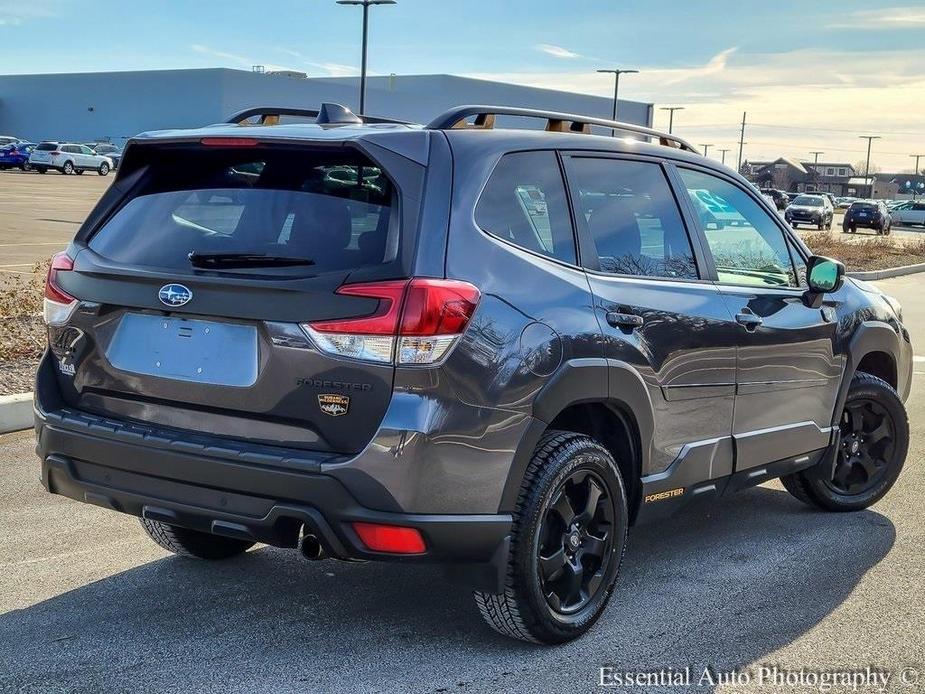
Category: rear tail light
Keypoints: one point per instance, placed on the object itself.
(416, 322)
(58, 304)
(229, 142)
(394, 539)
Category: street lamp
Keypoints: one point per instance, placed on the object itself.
(706, 148)
(870, 139)
(365, 4)
(671, 110)
(616, 88)
(723, 152)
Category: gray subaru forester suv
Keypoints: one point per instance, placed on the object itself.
(495, 348)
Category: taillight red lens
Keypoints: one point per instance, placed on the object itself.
(60, 262)
(384, 321)
(438, 307)
(394, 539)
(416, 321)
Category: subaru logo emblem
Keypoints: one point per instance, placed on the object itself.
(174, 295)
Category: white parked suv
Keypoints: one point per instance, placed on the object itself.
(909, 213)
(68, 158)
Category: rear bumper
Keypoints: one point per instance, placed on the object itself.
(180, 480)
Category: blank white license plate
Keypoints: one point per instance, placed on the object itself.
(185, 350)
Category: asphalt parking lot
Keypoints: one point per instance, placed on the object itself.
(88, 603)
(39, 214)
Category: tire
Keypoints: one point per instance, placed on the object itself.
(820, 227)
(861, 483)
(844, 229)
(41, 169)
(103, 170)
(559, 481)
(192, 543)
(888, 229)
(79, 172)
(794, 225)
(68, 168)
(26, 166)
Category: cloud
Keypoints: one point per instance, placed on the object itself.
(238, 60)
(330, 69)
(17, 13)
(886, 18)
(804, 100)
(557, 51)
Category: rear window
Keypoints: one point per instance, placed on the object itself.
(863, 206)
(47, 147)
(334, 209)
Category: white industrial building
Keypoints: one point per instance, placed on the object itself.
(113, 106)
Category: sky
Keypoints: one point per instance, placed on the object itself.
(812, 75)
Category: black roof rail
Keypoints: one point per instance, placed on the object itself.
(555, 122)
(270, 115)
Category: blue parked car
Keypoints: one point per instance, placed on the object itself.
(15, 155)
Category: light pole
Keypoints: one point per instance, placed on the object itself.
(616, 88)
(816, 157)
(706, 148)
(917, 157)
(671, 110)
(870, 139)
(365, 4)
(723, 151)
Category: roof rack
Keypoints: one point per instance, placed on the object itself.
(331, 113)
(456, 118)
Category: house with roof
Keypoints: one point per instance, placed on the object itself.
(838, 178)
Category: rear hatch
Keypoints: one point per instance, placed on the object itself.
(198, 285)
(42, 152)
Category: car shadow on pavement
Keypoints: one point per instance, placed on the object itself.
(720, 586)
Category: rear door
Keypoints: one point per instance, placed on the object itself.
(788, 373)
(657, 314)
(174, 331)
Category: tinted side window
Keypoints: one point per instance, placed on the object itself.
(524, 203)
(632, 218)
(747, 245)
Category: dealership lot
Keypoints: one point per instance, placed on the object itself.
(39, 214)
(88, 603)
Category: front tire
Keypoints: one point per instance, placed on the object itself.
(567, 543)
(68, 168)
(192, 543)
(874, 441)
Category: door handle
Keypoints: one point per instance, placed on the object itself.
(748, 320)
(624, 320)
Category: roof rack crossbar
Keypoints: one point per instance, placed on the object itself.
(270, 115)
(555, 122)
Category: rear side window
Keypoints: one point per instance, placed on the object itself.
(46, 147)
(338, 210)
(524, 203)
(632, 218)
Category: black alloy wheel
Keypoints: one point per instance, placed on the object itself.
(575, 539)
(867, 446)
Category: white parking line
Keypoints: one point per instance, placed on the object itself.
(19, 265)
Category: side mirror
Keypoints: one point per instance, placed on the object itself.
(823, 275)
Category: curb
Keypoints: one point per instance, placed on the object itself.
(15, 412)
(889, 272)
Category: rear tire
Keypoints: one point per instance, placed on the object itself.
(192, 543)
(41, 169)
(103, 170)
(875, 439)
(567, 543)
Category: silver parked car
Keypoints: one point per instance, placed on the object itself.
(909, 212)
(68, 159)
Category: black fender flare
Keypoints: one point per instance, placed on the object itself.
(870, 336)
(579, 381)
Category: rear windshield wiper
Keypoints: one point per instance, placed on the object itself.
(240, 260)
